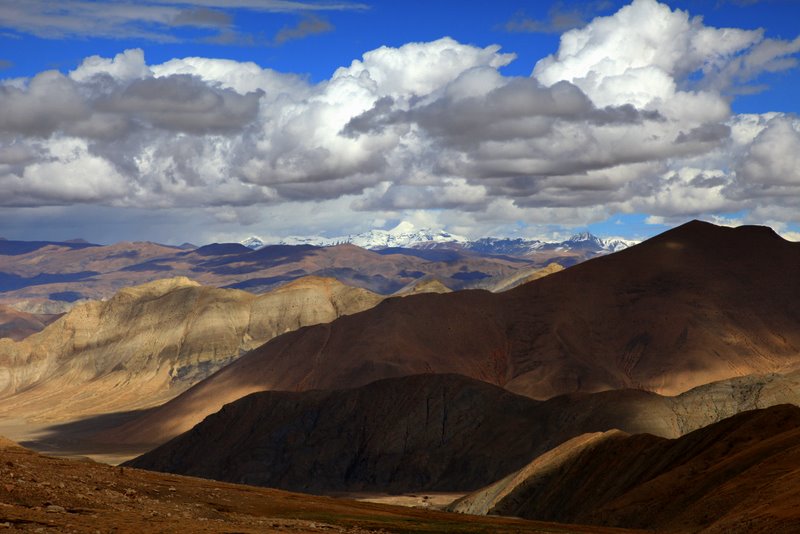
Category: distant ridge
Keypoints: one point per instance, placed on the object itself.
(406, 235)
(14, 248)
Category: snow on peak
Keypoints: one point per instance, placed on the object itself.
(615, 244)
(405, 235)
(403, 227)
(584, 237)
(253, 242)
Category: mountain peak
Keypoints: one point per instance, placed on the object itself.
(702, 233)
(582, 237)
(403, 227)
(253, 242)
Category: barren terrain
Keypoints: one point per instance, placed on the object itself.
(681, 310)
(42, 494)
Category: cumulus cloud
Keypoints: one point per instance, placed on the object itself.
(182, 103)
(771, 164)
(630, 114)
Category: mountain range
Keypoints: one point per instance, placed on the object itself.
(676, 312)
(406, 235)
(636, 389)
(50, 277)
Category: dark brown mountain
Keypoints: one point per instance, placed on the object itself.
(739, 475)
(424, 432)
(429, 432)
(696, 304)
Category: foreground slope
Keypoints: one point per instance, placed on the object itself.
(150, 342)
(742, 474)
(58, 495)
(697, 304)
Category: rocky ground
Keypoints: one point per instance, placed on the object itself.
(43, 494)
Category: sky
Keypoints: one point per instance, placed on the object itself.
(208, 120)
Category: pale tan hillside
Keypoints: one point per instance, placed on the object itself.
(148, 343)
(541, 470)
(517, 278)
(424, 285)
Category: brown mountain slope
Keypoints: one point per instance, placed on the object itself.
(150, 342)
(16, 325)
(412, 433)
(424, 432)
(696, 304)
(41, 494)
(742, 473)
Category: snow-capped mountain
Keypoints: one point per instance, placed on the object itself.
(583, 242)
(506, 246)
(253, 242)
(615, 244)
(406, 235)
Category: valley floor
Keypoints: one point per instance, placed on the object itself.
(65, 440)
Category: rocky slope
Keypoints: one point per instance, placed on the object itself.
(740, 474)
(425, 432)
(428, 432)
(43, 494)
(695, 305)
(150, 342)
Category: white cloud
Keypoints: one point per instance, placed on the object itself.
(641, 54)
(628, 115)
(126, 66)
(772, 160)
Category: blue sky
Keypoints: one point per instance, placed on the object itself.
(285, 155)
